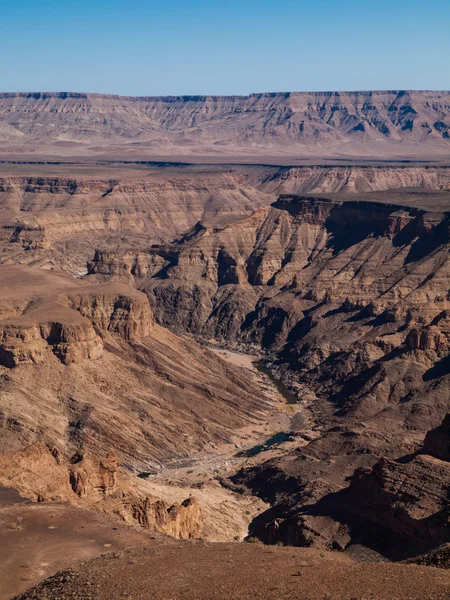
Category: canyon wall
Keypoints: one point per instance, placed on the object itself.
(85, 368)
(367, 124)
(57, 222)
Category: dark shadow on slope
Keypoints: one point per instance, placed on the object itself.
(428, 243)
(440, 368)
(392, 533)
(353, 385)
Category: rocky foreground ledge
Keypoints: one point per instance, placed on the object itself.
(240, 571)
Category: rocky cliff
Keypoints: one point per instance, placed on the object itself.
(45, 475)
(53, 221)
(345, 293)
(397, 507)
(379, 123)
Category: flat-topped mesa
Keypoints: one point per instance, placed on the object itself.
(125, 314)
(326, 124)
(69, 342)
(357, 179)
(381, 219)
(72, 324)
(65, 187)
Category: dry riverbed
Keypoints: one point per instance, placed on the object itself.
(227, 513)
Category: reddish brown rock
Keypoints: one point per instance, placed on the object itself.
(183, 521)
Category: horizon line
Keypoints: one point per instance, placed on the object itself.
(198, 97)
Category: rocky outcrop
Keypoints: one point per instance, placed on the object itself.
(71, 338)
(28, 237)
(70, 342)
(89, 475)
(410, 500)
(125, 315)
(429, 339)
(127, 265)
(43, 474)
(398, 507)
(183, 521)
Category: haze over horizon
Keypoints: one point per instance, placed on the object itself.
(233, 48)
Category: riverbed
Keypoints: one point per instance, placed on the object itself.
(252, 362)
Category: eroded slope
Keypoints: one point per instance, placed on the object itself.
(367, 124)
(94, 392)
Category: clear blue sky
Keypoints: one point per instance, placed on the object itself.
(139, 47)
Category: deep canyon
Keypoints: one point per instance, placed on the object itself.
(232, 355)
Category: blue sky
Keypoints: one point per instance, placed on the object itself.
(138, 47)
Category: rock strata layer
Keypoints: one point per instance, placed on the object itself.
(326, 124)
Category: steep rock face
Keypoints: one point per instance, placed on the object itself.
(47, 325)
(89, 475)
(127, 316)
(307, 251)
(410, 500)
(43, 474)
(321, 123)
(29, 344)
(407, 497)
(355, 179)
(397, 507)
(351, 297)
(183, 521)
(437, 441)
(55, 222)
(146, 201)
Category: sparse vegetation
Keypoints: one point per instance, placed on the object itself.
(17, 524)
(253, 540)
